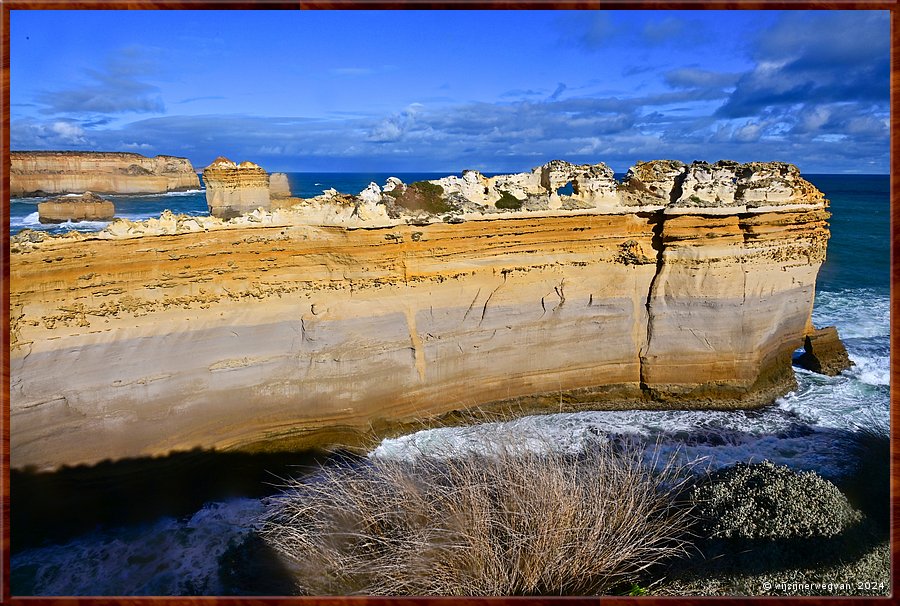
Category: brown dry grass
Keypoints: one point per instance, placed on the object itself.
(512, 523)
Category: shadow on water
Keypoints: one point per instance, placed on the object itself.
(55, 507)
(52, 507)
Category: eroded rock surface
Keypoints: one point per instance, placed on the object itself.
(343, 314)
(39, 173)
(279, 187)
(824, 352)
(86, 207)
(234, 189)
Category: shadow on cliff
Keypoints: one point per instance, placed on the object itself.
(52, 507)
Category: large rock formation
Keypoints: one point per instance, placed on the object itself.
(824, 353)
(279, 187)
(86, 207)
(346, 314)
(234, 189)
(39, 173)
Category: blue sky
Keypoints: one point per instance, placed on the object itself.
(450, 90)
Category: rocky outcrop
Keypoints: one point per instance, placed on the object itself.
(86, 207)
(234, 189)
(279, 187)
(346, 314)
(824, 353)
(40, 173)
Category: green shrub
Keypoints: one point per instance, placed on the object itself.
(423, 195)
(515, 522)
(508, 201)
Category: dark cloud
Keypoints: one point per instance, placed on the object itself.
(520, 92)
(689, 77)
(820, 57)
(117, 88)
(560, 89)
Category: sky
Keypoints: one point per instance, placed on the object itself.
(444, 91)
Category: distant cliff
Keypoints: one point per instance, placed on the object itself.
(37, 173)
(683, 286)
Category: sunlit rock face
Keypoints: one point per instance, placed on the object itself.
(37, 173)
(86, 207)
(325, 319)
(234, 189)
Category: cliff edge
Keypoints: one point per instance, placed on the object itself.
(41, 173)
(314, 323)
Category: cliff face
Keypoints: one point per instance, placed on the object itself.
(233, 189)
(41, 173)
(308, 325)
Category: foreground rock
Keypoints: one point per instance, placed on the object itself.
(39, 173)
(86, 207)
(767, 530)
(333, 317)
(768, 501)
(824, 352)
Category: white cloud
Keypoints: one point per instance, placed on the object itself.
(68, 132)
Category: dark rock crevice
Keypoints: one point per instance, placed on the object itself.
(657, 221)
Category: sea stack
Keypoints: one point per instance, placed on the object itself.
(234, 189)
(684, 286)
(86, 207)
(279, 187)
(39, 173)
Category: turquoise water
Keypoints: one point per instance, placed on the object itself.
(810, 428)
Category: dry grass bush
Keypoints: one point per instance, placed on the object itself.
(510, 523)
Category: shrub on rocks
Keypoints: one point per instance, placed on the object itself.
(422, 195)
(767, 501)
(509, 523)
(508, 201)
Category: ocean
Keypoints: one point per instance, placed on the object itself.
(174, 546)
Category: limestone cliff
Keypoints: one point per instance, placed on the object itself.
(345, 314)
(233, 189)
(37, 173)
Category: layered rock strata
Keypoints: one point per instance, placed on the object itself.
(347, 314)
(234, 189)
(39, 173)
(86, 207)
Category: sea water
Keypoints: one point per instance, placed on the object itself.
(810, 428)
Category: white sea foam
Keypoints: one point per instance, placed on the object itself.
(30, 220)
(187, 192)
(856, 313)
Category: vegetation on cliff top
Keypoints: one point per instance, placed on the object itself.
(422, 195)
